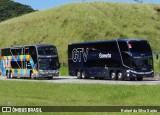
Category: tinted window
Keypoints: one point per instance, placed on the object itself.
(16, 51)
(47, 51)
(5, 52)
(123, 46)
(139, 46)
(48, 63)
(16, 64)
(31, 50)
(105, 46)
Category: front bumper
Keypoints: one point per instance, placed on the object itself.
(136, 74)
(47, 73)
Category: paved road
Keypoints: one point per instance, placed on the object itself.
(68, 79)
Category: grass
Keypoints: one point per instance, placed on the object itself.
(63, 71)
(22, 93)
(79, 22)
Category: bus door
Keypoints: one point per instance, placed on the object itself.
(26, 63)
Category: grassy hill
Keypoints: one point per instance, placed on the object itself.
(84, 22)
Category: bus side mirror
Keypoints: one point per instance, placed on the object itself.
(157, 55)
(59, 65)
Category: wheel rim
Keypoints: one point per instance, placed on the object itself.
(83, 75)
(11, 75)
(7, 74)
(78, 74)
(113, 75)
(119, 76)
(31, 76)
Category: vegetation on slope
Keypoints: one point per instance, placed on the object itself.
(10, 9)
(79, 22)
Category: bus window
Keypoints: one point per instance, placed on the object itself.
(47, 51)
(5, 52)
(16, 51)
(33, 53)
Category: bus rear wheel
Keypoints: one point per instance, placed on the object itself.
(7, 74)
(31, 75)
(120, 75)
(79, 75)
(113, 75)
(10, 75)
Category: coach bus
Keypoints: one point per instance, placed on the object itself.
(120, 59)
(37, 60)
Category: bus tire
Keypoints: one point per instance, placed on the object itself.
(139, 78)
(79, 75)
(10, 75)
(113, 75)
(84, 75)
(7, 74)
(119, 75)
(31, 75)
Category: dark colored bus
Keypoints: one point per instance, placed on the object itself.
(120, 59)
(37, 60)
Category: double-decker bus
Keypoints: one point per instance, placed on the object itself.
(119, 59)
(37, 60)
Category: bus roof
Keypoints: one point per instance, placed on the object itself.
(36, 45)
(101, 41)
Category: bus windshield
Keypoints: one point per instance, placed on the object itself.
(139, 47)
(141, 62)
(48, 63)
(50, 50)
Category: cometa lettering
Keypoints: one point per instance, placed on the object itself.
(104, 55)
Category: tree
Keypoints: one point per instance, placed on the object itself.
(10, 9)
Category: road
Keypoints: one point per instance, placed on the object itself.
(69, 79)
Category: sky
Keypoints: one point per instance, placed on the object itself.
(46, 4)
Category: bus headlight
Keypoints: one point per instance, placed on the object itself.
(127, 71)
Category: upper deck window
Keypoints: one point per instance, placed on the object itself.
(139, 47)
(47, 50)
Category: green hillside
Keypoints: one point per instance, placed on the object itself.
(84, 22)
